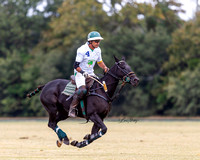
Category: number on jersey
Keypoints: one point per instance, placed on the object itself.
(87, 53)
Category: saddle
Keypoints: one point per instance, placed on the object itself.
(71, 88)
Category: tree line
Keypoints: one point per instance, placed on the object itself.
(39, 46)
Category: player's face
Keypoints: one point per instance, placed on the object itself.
(96, 43)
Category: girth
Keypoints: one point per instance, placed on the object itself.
(92, 92)
(96, 94)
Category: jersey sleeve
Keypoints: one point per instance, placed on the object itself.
(79, 56)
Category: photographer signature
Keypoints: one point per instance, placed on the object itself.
(124, 120)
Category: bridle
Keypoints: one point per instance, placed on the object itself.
(125, 79)
(127, 75)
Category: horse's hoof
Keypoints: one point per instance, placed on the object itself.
(87, 137)
(59, 143)
(66, 141)
(73, 143)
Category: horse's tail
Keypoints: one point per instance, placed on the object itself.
(38, 89)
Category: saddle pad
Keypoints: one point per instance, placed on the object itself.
(69, 89)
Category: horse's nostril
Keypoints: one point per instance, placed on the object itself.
(136, 80)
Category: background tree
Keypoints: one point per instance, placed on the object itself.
(182, 71)
(20, 31)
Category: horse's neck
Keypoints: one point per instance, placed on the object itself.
(111, 83)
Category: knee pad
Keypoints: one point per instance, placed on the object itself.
(82, 91)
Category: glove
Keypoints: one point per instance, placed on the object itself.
(85, 74)
(106, 69)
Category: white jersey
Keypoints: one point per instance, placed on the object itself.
(88, 58)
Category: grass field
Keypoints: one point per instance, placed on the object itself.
(127, 140)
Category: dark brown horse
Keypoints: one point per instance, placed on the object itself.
(97, 102)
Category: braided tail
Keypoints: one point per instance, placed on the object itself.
(38, 89)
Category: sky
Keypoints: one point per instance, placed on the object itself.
(188, 5)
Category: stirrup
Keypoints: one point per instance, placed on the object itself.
(73, 113)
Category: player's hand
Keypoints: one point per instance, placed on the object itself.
(85, 74)
(106, 69)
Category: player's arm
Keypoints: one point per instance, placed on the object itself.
(77, 67)
(102, 65)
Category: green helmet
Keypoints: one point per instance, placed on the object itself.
(94, 35)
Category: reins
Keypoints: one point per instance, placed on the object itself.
(118, 92)
(102, 84)
(125, 80)
(95, 80)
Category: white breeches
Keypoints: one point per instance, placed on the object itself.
(79, 79)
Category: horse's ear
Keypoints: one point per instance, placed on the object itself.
(123, 58)
(116, 59)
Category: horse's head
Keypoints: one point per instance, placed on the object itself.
(124, 72)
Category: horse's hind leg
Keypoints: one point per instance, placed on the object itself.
(62, 115)
(61, 135)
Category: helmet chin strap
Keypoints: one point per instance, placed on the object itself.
(90, 43)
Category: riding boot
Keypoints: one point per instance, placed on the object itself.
(79, 94)
(75, 102)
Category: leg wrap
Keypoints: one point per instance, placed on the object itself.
(87, 142)
(60, 133)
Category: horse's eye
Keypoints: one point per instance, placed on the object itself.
(122, 65)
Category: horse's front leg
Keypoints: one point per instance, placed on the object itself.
(95, 129)
(98, 124)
